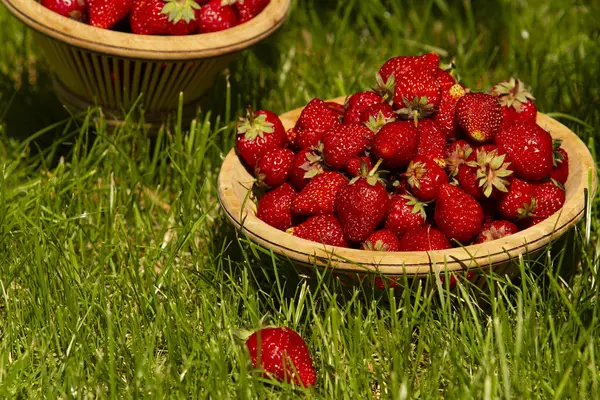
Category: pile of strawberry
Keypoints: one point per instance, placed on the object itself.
(461, 167)
(159, 17)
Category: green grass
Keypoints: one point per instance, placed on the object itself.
(121, 278)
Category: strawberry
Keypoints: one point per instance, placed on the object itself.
(273, 168)
(382, 240)
(560, 164)
(316, 118)
(518, 202)
(344, 142)
(456, 155)
(424, 238)
(549, 198)
(356, 104)
(74, 9)
(159, 17)
(496, 230)
(432, 142)
(425, 178)
(417, 95)
(485, 174)
(291, 136)
(478, 116)
(404, 214)
(399, 66)
(517, 102)
(446, 111)
(106, 13)
(457, 214)
(445, 79)
(318, 196)
(528, 148)
(306, 165)
(377, 115)
(275, 207)
(217, 15)
(396, 143)
(361, 205)
(258, 134)
(325, 229)
(354, 165)
(248, 9)
(282, 354)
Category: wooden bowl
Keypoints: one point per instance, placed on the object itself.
(112, 69)
(235, 181)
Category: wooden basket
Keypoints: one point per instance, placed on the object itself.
(235, 181)
(111, 69)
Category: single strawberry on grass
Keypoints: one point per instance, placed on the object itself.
(319, 195)
(217, 15)
(74, 9)
(528, 148)
(396, 143)
(316, 118)
(258, 134)
(281, 354)
(307, 164)
(361, 205)
(425, 177)
(159, 17)
(344, 142)
(496, 230)
(106, 13)
(405, 213)
(382, 240)
(275, 207)
(324, 229)
(518, 203)
(424, 238)
(478, 116)
(273, 168)
(357, 103)
(517, 102)
(457, 214)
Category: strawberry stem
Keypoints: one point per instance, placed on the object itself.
(376, 167)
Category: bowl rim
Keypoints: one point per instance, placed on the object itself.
(163, 48)
(234, 175)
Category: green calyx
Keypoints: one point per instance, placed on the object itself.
(372, 177)
(457, 157)
(178, 10)
(418, 207)
(491, 171)
(378, 246)
(385, 88)
(527, 209)
(312, 165)
(557, 156)
(513, 93)
(254, 126)
(416, 109)
(375, 124)
(414, 173)
(451, 69)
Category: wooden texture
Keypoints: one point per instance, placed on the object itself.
(111, 69)
(235, 182)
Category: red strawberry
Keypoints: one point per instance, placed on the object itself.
(75, 9)
(344, 142)
(457, 214)
(318, 196)
(445, 114)
(478, 116)
(485, 174)
(282, 353)
(106, 13)
(425, 178)
(377, 115)
(356, 103)
(445, 79)
(291, 136)
(425, 238)
(405, 213)
(275, 207)
(248, 9)
(396, 143)
(316, 118)
(306, 165)
(273, 168)
(432, 142)
(517, 102)
(325, 229)
(217, 15)
(417, 95)
(354, 165)
(496, 230)
(361, 205)
(456, 155)
(399, 66)
(518, 202)
(528, 148)
(560, 168)
(258, 134)
(549, 198)
(158, 17)
(382, 240)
